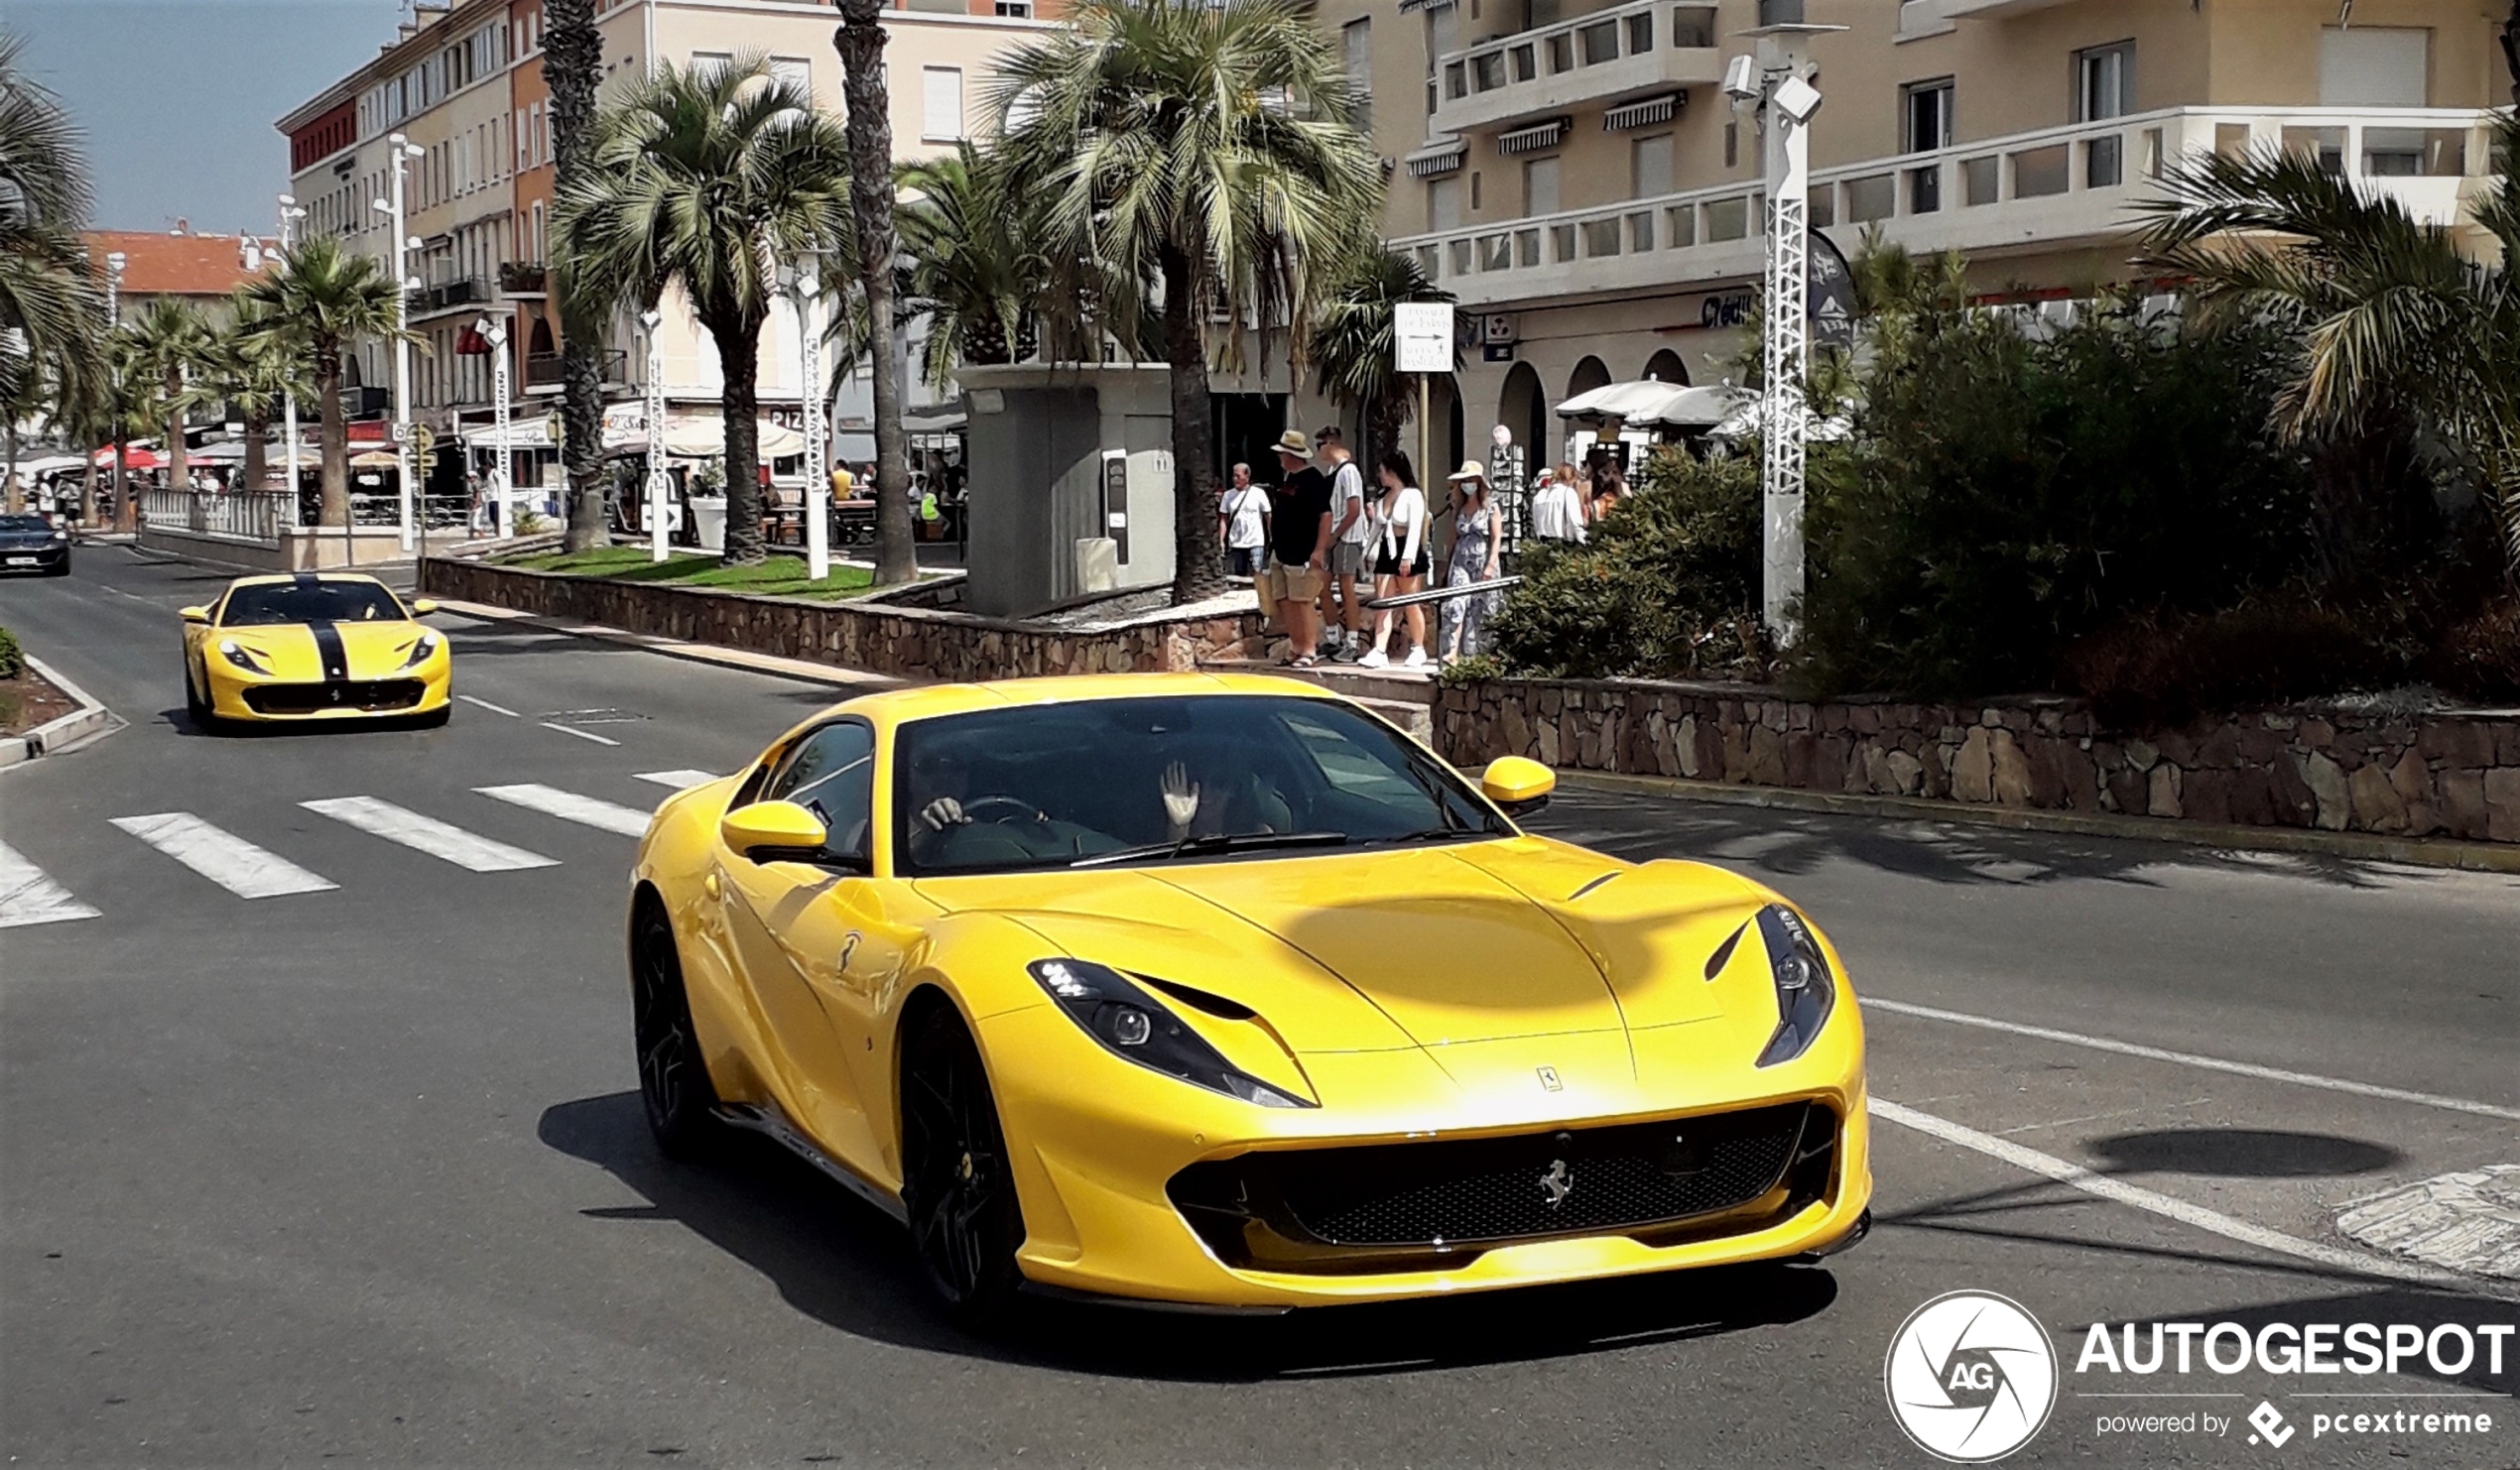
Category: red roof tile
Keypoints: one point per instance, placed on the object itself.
(161, 263)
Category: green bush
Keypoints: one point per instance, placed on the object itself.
(1667, 586)
(12, 658)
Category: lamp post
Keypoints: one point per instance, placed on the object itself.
(403, 152)
(115, 261)
(290, 214)
(817, 483)
(496, 331)
(653, 319)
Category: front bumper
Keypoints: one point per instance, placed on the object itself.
(238, 696)
(37, 559)
(1141, 1186)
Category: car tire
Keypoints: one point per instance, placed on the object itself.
(62, 571)
(674, 1084)
(205, 718)
(957, 1188)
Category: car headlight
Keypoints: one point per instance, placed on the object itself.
(62, 536)
(1805, 990)
(242, 657)
(1135, 1027)
(420, 652)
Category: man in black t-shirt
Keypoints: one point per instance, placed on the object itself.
(1299, 538)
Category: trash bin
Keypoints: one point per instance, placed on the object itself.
(708, 519)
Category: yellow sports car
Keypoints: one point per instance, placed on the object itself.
(1220, 990)
(305, 645)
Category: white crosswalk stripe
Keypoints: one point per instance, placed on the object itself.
(677, 780)
(28, 895)
(231, 862)
(629, 822)
(428, 834)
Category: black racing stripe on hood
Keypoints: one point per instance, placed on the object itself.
(330, 651)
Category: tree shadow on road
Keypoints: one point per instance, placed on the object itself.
(840, 1261)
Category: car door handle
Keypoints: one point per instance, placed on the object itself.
(711, 883)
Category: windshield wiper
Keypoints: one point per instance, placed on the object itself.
(1216, 843)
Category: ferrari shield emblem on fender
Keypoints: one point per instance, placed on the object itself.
(1548, 1079)
(1557, 1182)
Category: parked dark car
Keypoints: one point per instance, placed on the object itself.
(29, 542)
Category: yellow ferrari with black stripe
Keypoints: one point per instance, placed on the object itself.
(311, 647)
(1221, 991)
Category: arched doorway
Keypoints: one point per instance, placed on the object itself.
(1666, 367)
(1524, 408)
(540, 343)
(1590, 374)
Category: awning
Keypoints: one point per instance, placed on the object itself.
(133, 457)
(1643, 114)
(1440, 157)
(375, 459)
(705, 438)
(51, 463)
(1407, 6)
(1532, 138)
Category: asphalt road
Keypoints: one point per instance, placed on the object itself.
(358, 1174)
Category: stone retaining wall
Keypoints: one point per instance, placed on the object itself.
(918, 643)
(2455, 774)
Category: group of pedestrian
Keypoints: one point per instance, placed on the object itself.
(1570, 503)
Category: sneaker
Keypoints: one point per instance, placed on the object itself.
(1327, 647)
(1416, 658)
(1374, 659)
(1349, 651)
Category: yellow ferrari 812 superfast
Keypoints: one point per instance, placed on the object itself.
(1220, 990)
(304, 645)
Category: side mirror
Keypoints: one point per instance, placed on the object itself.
(424, 606)
(773, 833)
(193, 614)
(1517, 785)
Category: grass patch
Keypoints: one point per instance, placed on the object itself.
(779, 576)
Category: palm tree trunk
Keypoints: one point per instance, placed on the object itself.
(178, 474)
(335, 475)
(739, 365)
(572, 65)
(860, 43)
(1196, 571)
(257, 469)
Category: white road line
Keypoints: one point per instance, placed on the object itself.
(2189, 1059)
(28, 894)
(2150, 1201)
(231, 862)
(493, 708)
(428, 834)
(580, 734)
(629, 822)
(679, 779)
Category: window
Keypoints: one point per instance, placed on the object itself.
(1600, 43)
(1014, 10)
(2373, 67)
(1925, 115)
(2105, 82)
(1540, 186)
(707, 59)
(794, 72)
(1649, 166)
(1443, 204)
(1731, 145)
(1640, 34)
(940, 111)
(1487, 70)
(831, 774)
(1694, 27)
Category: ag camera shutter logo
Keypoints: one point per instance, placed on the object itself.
(1970, 1377)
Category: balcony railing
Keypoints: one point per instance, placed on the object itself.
(523, 277)
(447, 295)
(1996, 194)
(543, 370)
(1606, 56)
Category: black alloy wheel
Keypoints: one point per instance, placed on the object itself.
(672, 1077)
(965, 1220)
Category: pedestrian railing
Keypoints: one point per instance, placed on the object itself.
(1442, 595)
(245, 515)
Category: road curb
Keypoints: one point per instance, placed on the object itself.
(90, 721)
(855, 679)
(2420, 852)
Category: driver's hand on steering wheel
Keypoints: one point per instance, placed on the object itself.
(942, 812)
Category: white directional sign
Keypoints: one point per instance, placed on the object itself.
(1421, 336)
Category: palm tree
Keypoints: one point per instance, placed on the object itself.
(330, 301)
(50, 306)
(259, 362)
(573, 68)
(705, 179)
(169, 344)
(860, 41)
(1205, 143)
(2388, 317)
(1353, 340)
(973, 271)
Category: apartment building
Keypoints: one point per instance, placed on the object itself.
(462, 82)
(1572, 171)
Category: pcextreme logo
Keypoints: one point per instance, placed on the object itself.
(1972, 1377)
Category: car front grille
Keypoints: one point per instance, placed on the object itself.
(374, 695)
(1413, 1205)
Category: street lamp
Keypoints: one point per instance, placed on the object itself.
(404, 151)
(496, 331)
(289, 214)
(116, 262)
(652, 319)
(818, 484)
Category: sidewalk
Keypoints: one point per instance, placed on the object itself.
(853, 681)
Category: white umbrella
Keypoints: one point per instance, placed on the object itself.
(1743, 421)
(1650, 405)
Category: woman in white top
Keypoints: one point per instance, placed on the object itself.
(1557, 510)
(1401, 560)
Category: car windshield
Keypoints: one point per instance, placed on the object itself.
(1112, 782)
(24, 523)
(309, 602)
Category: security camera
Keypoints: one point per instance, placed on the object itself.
(1797, 99)
(1741, 80)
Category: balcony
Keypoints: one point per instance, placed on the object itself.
(543, 370)
(1622, 54)
(449, 295)
(1996, 196)
(523, 277)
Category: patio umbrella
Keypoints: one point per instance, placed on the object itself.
(133, 457)
(1652, 404)
(375, 459)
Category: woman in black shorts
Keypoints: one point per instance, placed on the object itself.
(1402, 559)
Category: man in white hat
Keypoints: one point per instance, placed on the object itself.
(1299, 540)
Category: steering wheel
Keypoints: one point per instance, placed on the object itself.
(1016, 806)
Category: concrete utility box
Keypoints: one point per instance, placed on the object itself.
(1063, 456)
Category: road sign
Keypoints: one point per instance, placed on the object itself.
(1421, 336)
(424, 443)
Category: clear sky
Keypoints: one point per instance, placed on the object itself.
(177, 97)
